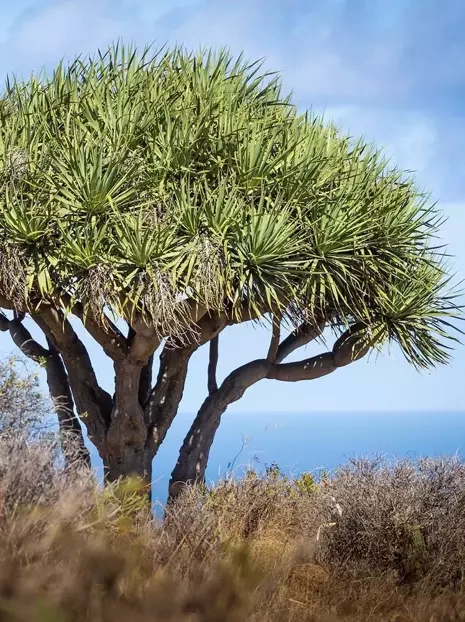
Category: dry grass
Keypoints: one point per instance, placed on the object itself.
(243, 551)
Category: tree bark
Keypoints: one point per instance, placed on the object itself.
(212, 384)
(93, 404)
(166, 396)
(193, 456)
(128, 450)
(70, 428)
(133, 461)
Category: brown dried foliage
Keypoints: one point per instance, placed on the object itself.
(242, 550)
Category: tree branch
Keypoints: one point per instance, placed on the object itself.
(309, 369)
(94, 405)
(168, 391)
(275, 337)
(22, 338)
(105, 332)
(58, 384)
(212, 365)
(194, 452)
(350, 347)
(108, 336)
(145, 386)
(195, 449)
(164, 401)
(146, 373)
(300, 337)
(147, 338)
(4, 322)
(143, 347)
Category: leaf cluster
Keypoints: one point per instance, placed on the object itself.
(141, 180)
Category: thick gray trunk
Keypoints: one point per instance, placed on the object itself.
(133, 461)
(128, 449)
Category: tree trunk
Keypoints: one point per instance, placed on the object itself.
(193, 456)
(131, 462)
(128, 449)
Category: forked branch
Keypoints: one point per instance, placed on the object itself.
(167, 393)
(195, 450)
(104, 332)
(300, 337)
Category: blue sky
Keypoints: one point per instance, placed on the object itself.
(392, 71)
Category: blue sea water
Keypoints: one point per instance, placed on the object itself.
(300, 442)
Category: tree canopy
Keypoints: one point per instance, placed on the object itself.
(166, 189)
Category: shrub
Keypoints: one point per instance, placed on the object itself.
(242, 550)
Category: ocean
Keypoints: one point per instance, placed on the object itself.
(299, 442)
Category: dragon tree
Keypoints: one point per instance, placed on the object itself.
(162, 197)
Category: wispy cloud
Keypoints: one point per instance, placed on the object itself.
(398, 52)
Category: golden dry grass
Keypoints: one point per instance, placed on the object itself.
(244, 550)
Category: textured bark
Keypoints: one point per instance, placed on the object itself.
(167, 394)
(300, 337)
(168, 391)
(104, 332)
(135, 461)
(70, 428)
(22, 338)
(275, 337)
(195, 450)
(127, 445)
(145, 385)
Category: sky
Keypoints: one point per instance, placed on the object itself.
(391, 71)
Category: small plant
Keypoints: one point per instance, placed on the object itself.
(273, 471)
(306, 483)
